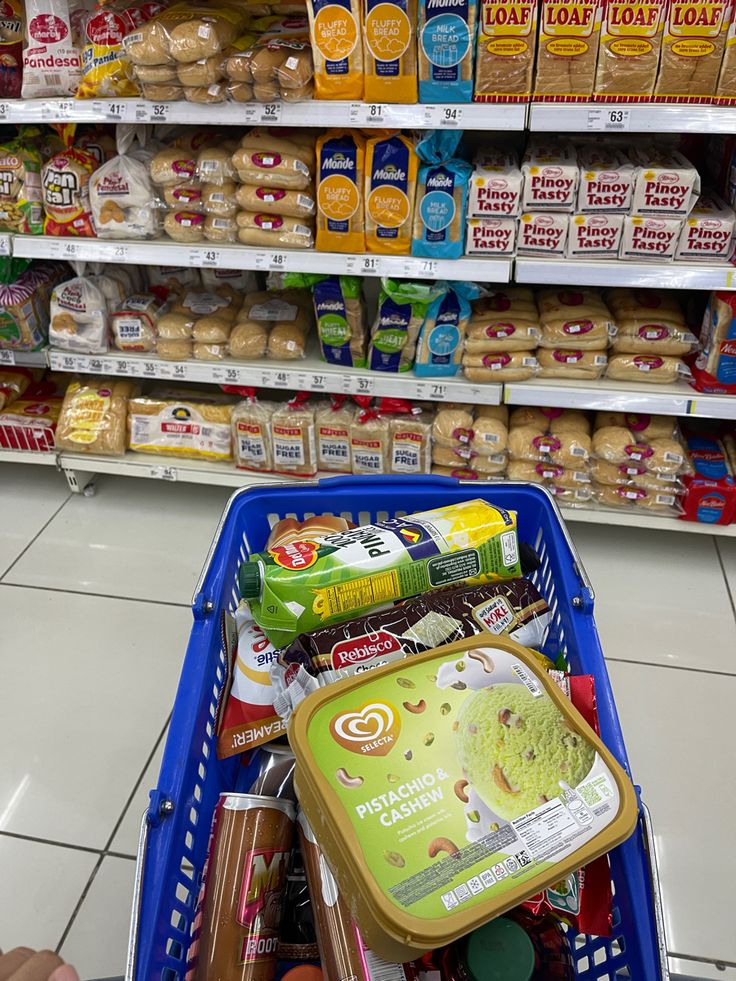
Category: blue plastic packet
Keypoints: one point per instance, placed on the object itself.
(442, 197)
(440, 345)
(446, 35)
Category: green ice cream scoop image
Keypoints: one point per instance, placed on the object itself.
(515, 749)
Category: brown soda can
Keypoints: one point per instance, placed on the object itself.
(248, 859)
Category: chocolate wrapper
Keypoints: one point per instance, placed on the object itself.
(583, 900)
(514, 607)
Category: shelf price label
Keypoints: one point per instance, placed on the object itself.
(4, 245)
(367, 114)
(96, 365)
(317, 383)
(158, 112)
(112, 253)
(150, 369)
(364, 265)
(280, 379)
(278, 261)
(205, 257)
(357, 385)
(7, 357)
(112, 112)
(450, 116)
(162, 473)
(614, 119)
(421, 267)
(121, 366)
(53, 110)
(4, 111)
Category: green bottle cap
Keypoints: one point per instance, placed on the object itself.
(249, 578)
(500, 951)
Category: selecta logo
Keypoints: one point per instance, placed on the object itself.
(348, 653)
(295, 555)
(372, 729)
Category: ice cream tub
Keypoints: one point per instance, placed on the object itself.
(450, 787)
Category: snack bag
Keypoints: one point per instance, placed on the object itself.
(692, 50)
(631, 38)
(65, 183)
(442, 197)
(446, 40)
(390, 51)
(51, 65)
(11, 50)
(338, 54)
(402, 308)
(21, 207)
(440, 346)
(507, 42)
(390, 178)
(569, 34)
(340, 165)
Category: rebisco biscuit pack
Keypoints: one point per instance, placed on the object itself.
(336, 48)
(507, 40)
(631, 38)
(340, 167)
(390, 51)
(569, 34)
(693, 46)
(391, 167)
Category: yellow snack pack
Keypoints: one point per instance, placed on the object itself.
(340, 165)
(390, 51)
(337, 50)
(390, 183)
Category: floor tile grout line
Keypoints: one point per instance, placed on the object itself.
(80, 901)
(50, 841)
(698, 959)
(673, 667)
(725, 577)
(77, 592)
(36, 536)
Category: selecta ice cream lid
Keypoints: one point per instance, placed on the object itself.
(449, 787)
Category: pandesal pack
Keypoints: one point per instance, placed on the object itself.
(597, 236)
(440, 345)
(649, 368)
(606, 180)
(495, 187)
(340, 177)
(631, 38)
(569, 34)
(507, 42)
(65, 187)
(335, 28)
(666, 185)
(650, 239)
(390, 180)
(692, 50)
(123, 200)
(402, 307)
(79, 318)
(551, 175)
(542, 233)
(390, 50)
(707, 232)
(648, 329)
(491, 236)
(441, 198)
(446, 46)
(51, 64)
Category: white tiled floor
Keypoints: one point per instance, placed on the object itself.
(93, 595)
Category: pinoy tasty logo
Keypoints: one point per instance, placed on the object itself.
(371, 730)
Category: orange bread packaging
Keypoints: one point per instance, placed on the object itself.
(337, 50)
(448, 787)
(391, 166)
(340, 212)
(390, 51)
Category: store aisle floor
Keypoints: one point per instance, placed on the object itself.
(94, 596)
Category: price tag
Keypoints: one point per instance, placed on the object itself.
(280, 379)
(150, 369)
(179, 371)
(121, 366)
(162, 473)
(421, 267)
(69, 250)
(270, 113)
(165, 370)
(7, 357)
(364, 265)
(114, 253)
(68, 362)
(4, 245)
(358, 385)
(205, 257)
(278, 261)
(53, 110)
(609, 119)
(112, 112)
(266, 379)
(96, 365)
(317, 383)
(4, 111)
(367, 114)
(158, 112)
(450, 116)
(141, 112)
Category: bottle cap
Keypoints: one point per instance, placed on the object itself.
(249, 579)
(500, 951)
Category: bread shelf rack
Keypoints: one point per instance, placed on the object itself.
(620, 272)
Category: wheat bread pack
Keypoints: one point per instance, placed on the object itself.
(340, 314)
(438, 758)
(569, 35)
(391, 166)
(630, 42)
(495, 187)
(446, 46)
(390, 51)
(402, 308)
(693, 45)
(507, 42)
(340, 192)
(551, 175)
(441, 198)
(441, 339)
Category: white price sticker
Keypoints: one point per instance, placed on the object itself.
(317, 383)
(278, 262)
(150, 369)
(180, 371)
(367, 114)
(68, 250)
(421, 267)
(270, 113)
(364, 265)
(121, 366)
(7, 357)
(96, 365)
(613, 119)
(68, 362)
(162, 473)
(158, 112)
(112, 112)
(205, 257)
(112, 253)
(280, 379)
(230, 376)
(436, 391)
(449, 116)
(357, 385)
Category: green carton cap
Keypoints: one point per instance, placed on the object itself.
(500, 951)
(249, 579)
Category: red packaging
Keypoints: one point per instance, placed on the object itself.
(30, 424)
(710, 495)
(65, 188)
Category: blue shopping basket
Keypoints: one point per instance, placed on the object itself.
(175, 829)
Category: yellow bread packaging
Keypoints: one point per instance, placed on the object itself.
(390, 51)
(337, 49)
(631, 38)
(569, 34)
(430, 773)
(340, 211)
(507, 41)
(391, 165)
(693, 46)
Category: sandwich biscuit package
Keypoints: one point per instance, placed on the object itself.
(569, 34)
(340, 211)
(442, 197)
(446, 39)
(631, 38)
(507, 42)
(693, 45)
(390, 180)
(390, 51)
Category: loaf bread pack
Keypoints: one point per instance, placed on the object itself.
(135, 323)
(495, 187)
(340, 183)
(78, 317)
(692, 50)
(569, 34)
(123, 200)
(275, 200)
(542, 233)
(93, 416)
(442, 197)
(726, 86)
(402, 307)
(333, 421)
(410, 443)
(650, 239)
(445, 36)
(649, 368)
(440, 345)
(715, 366)
(293, 437)
(631, 38)
(507, 42)
(274, 231)
(191, 425)
(596, 236)
(391, 166)
(335, 28)
(551, 175)
(666, 185)
(65, 186)
(606, 180)
(251, 432)
(390, 50)
(279, 158)
(370, 443)
(707, 232)
(574, 318)
(504, 321)
(491, 236)
(340, 314)
(571, 363)
(24, 307)
(649, 322)
(21, 204)
(505, 366)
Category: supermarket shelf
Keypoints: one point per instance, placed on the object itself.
(619, 272)
(678, 399)
(24, 456)
(25, 359)
(167, 253)
(631, 518)
(312, 113)
(620, 118)
(309, 374)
